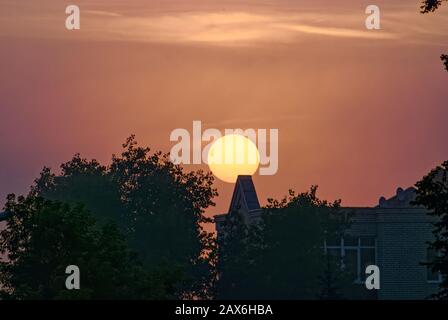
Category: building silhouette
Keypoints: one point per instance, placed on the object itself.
(392, 235)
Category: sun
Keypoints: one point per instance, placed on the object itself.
(233, 155)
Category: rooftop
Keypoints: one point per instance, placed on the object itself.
(244, 195)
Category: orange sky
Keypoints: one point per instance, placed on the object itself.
(359, 112)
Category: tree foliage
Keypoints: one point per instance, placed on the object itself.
(156, 205)
(444, 58)
(281, 257)
(431, 6)
(332, 281)
(432, 193)
(43, 237)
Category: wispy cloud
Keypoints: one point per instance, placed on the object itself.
(230, 28)
(341, 32)
(233, 27)
(102, 13)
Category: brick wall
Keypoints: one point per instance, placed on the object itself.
(401, 236)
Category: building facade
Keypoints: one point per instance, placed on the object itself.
(392, 235)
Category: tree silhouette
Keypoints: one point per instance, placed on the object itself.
(444, 58)
(432, 193)
(282, 256)
(237, 265)
(331, 281)
(431, 6)
(43, 237)
(158, 207)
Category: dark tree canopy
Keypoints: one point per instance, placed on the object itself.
(432, 193)
(158, 207)
(332, 282)
(43, 237)
(281, 257)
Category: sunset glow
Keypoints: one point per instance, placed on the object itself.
(360, 112)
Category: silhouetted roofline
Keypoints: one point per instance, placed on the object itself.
(245, 197)
(402, 199)
(244, 194)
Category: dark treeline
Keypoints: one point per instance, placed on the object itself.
(281, 256)
(135, 230)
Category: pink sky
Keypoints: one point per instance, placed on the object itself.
(359, 112)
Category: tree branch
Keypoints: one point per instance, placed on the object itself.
(430, 5)
(444, 58)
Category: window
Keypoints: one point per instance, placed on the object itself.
(356, 254)
(431, 276)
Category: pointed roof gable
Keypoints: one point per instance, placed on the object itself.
(244, 195)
